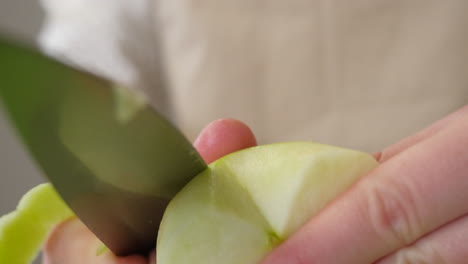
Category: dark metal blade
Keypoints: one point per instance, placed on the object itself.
(116, 172)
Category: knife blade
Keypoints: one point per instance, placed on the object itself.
(113, 159)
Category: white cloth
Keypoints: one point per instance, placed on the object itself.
(359, 74)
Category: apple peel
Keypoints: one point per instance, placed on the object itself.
(23, 231)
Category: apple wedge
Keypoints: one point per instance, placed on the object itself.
(248, 202)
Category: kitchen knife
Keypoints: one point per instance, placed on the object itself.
(113, 159)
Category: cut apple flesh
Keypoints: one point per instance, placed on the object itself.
(247, 203)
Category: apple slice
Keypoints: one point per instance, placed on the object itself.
(247, 203)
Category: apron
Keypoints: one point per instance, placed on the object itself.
(359, 74)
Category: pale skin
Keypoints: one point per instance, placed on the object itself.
(413, 208)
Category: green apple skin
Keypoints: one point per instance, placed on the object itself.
(246, 203)
(23, 231)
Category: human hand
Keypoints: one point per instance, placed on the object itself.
(413, 208)
(72, 243)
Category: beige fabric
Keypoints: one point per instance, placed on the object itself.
(360, 74)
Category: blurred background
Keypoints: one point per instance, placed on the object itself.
(22, 18)
(18, 174)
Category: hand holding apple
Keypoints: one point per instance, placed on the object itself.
(301, 178)
(412, 209)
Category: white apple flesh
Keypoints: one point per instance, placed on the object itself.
(246, 203)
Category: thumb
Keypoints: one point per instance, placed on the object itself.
(222, 137)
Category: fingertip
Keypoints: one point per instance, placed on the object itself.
(222, 137)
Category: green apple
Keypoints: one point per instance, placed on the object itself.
(245, 204)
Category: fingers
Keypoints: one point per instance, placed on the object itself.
(71, 242)
(406, 197)
(448, 245)
(222, 137)
(438, 126)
